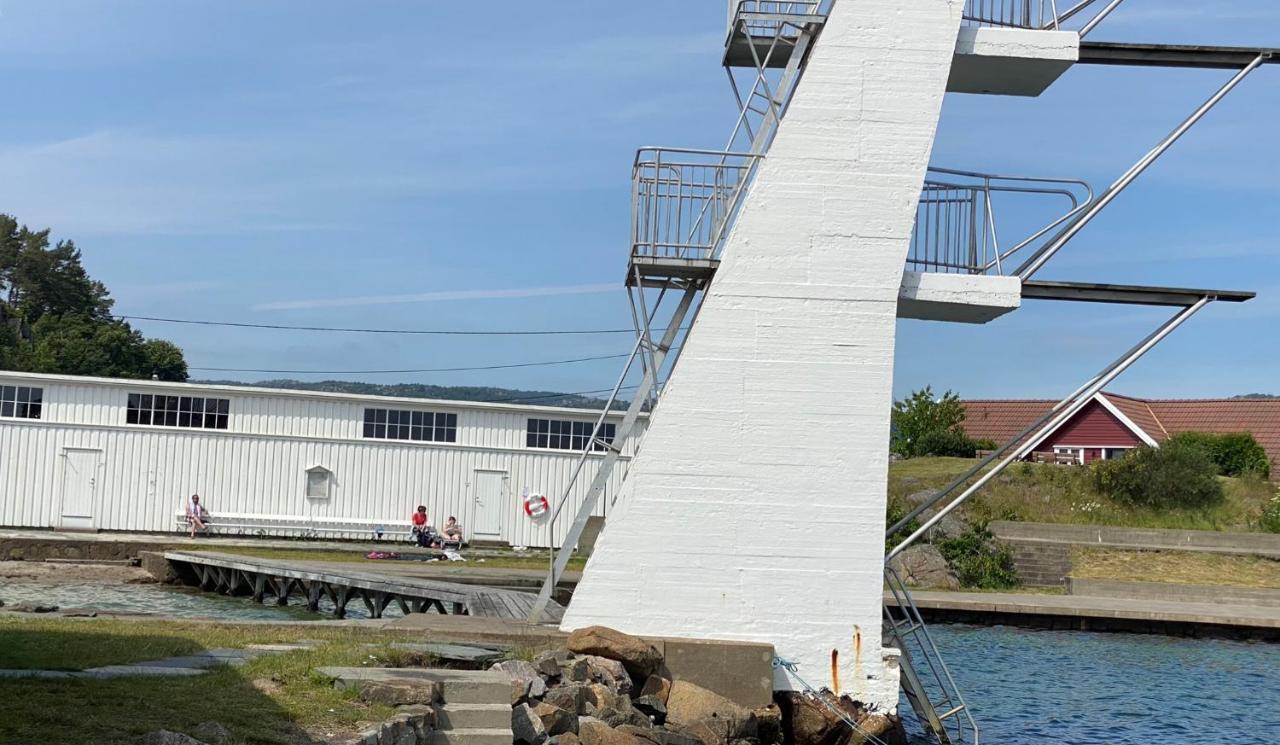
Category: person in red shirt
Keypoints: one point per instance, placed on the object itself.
(421, 530)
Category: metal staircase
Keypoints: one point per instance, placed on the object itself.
(683, 203)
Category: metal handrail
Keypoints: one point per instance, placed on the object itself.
(1042, 15)
(682, 200)
(957, 221)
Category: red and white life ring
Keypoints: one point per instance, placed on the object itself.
(535, 505)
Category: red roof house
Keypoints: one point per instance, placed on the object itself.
(1110, 423)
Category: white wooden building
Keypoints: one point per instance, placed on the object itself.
(109, 454)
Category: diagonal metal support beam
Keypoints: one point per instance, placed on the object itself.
(1037, 260)
(1065, 409)
(561, 557)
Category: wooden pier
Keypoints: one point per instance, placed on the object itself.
(262, 578)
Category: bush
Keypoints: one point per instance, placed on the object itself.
(1177, 475)
(1235, 453)
(985, 444)
(979, 561)
(948, 443)
(895, 511)
(1270, 520)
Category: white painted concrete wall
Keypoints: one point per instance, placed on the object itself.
(779, 405)
(257, 466)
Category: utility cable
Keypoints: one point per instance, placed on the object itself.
(357, 330)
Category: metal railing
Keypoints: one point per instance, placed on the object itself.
(682, 200)
(1038, 14)
(958, 223)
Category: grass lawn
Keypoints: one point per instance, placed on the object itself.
(1034, 492)
(273, 699)
(1178, 567)
(532, 560)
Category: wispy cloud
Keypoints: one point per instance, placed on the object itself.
(428, 297)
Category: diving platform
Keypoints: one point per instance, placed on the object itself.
(312, 582)
(1175, 55)
(1094, 292)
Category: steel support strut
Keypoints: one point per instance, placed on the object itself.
(1038, 259)
(612, 453)
(1047, 424)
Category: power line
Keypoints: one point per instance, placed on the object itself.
(357, 330)
(420, 370)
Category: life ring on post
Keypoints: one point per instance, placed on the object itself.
(536, 505)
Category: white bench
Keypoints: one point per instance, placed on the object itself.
(231, 523)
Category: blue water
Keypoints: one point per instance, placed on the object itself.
(1029, 687)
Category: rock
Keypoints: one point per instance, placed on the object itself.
(165, 737)
(609, 672)
(537, 688)
(1, 603)
(212, 732)
(568, 697)
(640, 658)
(595, 732)
(399, 692)
(526, 727)
(613, 717)
(568, 738)
(556, 721)
(656, 685)
(27, 608)
(548, 663)
(579, 671)
(688, 704)
(768, 724)
(923, 566)
(918, 498)
(660, 736)
(524, 677)
(652, 707)
(811, 721)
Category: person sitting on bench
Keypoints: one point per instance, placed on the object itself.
(422, 532)
(197, 515)
(451, 535)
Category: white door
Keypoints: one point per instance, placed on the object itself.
(489, 489)
(79, 488)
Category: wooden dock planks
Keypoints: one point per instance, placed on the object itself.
(418, 594)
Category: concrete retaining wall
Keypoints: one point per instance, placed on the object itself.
(1221, 594)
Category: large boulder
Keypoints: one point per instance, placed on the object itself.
(595, 732)
(924, 566)
(212, 732)
(556, 721)
(568, 697)
(706, 715)
(526, 726)
(656, 685)
(640, 658)
(525, 679)
(609, 672)
(810, 720)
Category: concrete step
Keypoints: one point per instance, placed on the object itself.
(473, 716)
(457, 686)
(472, 737)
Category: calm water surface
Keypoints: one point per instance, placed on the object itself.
(1079, 688)
(145, 598)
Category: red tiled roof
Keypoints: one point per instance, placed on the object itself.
(1002, 420)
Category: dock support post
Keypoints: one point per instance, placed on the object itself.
(313, 596)
(259, 587)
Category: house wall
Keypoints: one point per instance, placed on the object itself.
(1092, 426)
(257, 466)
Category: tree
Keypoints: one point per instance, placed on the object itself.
(925, 425)
(55, 318)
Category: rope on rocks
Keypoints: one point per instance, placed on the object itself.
(790, 667)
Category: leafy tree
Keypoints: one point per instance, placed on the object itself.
(55, 318)
(925, 425)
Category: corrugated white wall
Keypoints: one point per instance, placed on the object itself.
(258, 465)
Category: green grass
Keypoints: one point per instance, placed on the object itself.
(1033, 492)
(1177, 567)
(275, 699)
(533, 561)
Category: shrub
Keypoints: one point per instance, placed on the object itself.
(978, 560)
(985, 444)
(920, 416)
(894, 512)
(950, 443)
(1235, 453)
(1177, 475)
(1270, 520)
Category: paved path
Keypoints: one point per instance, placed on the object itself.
(981, 604)
(185, 665)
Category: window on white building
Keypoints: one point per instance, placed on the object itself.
(319, 480)
(193, 412)
(419, 426)
(558, 434)
(21, 402)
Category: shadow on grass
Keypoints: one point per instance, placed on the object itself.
(263, 702)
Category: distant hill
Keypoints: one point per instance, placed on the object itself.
(1257, 395)
(443, 392)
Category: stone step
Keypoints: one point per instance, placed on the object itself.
(495, 736)
(473, 716)
(457, 686)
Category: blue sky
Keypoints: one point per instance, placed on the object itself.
(466, 165)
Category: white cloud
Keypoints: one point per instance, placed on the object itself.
(427, 297)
